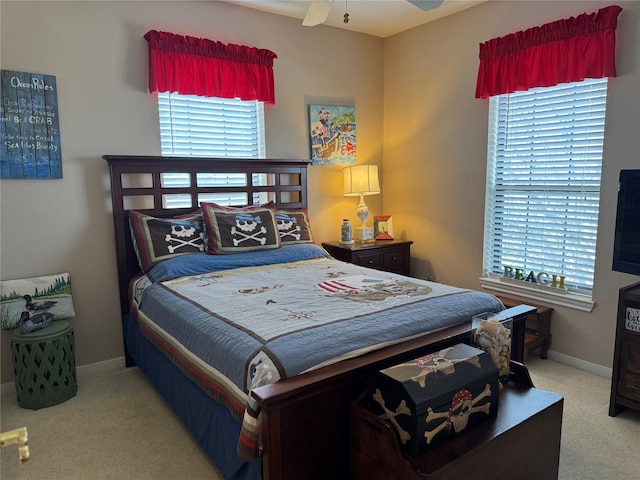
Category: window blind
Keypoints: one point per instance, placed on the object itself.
(197, 126)
(543, 181)
(192, 125)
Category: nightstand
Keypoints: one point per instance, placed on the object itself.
(387, 255)
(538, 330)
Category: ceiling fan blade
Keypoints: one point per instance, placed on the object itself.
(317, 13)
(426, 4)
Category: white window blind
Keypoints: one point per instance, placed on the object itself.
(543, 181)
(195, 126)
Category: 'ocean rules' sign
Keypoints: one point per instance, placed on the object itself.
(29, 127)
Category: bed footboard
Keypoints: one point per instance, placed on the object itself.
(305, 419)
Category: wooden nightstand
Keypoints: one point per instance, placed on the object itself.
(538, 331)
(387, 255)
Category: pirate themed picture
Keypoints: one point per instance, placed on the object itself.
(435, 397)
(234, 230)
(333, 134)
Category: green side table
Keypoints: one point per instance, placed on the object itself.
(44, 365)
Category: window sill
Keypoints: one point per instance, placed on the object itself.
(570, 300)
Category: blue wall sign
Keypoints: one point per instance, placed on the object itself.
(29, 127)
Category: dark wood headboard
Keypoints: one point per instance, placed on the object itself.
(136, 184)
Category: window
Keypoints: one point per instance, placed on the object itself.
(198, 126)
(543, 182)
(192, 125)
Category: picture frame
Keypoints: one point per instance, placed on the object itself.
(332, 130)
(383, 227)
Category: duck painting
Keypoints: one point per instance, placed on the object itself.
(36, 307)
(45, 293)
(27, 323)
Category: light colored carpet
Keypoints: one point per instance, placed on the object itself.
(117, 427)
(594, 445)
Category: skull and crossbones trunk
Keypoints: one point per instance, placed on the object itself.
(432, 398)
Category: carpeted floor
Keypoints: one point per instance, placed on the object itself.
(117, 427)
(594, 445)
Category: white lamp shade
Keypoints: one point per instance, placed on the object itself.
(361, 180)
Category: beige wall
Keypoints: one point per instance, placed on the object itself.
(422, 81)
(435, 148)
(97, 52)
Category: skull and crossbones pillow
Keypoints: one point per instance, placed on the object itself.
(294, 226)
(236, 230)
(156, 239)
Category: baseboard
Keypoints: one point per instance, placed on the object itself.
(594, 368)
(90, 369)
(101, 366)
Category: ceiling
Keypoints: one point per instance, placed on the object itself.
(381, 18)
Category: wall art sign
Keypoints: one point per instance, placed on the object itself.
(29, 126)
(333, 134)
(632, 320)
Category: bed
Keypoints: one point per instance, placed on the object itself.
(280, 409)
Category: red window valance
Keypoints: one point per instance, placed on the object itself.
(197, 66)
(564, 51)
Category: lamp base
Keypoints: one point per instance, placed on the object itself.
(363, 234)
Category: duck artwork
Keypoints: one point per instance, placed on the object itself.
(49, 294)
(36, 307)
(28, 323)
(35, 315)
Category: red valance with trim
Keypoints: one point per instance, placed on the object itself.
(197, 66)
(564, 51)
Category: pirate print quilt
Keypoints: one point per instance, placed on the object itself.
(236, 322)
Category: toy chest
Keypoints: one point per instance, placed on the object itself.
(432, 398)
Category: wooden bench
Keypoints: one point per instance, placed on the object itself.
(538, 326)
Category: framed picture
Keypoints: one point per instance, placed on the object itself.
(333, 134)
(383, 227)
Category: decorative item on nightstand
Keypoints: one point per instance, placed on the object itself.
(382, 227)
(361, 180)
(346, 233)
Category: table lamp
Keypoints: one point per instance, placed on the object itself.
(361, 180)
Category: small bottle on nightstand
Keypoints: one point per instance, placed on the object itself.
(346, 237)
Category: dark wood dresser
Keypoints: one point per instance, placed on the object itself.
(625, 381)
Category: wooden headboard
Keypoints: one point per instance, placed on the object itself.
(138, 183)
